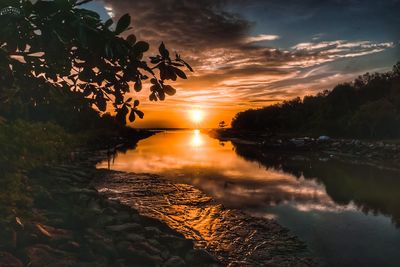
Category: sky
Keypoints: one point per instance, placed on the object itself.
(253, 53)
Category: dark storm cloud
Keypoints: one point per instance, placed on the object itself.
(184, 23)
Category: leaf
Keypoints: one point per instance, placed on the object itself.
(123, 24)
(108, 23)
(155, 60)
(163, 51)
(121, 115)
(63, 4)
(153, 97)
(161, 95)
(136, 103)
(180, 73)
(169, 90)
(131, 39)
(101, 104)
(132, 116)
(139, 113)
(187, 66)
(138, 85)
(141, 47)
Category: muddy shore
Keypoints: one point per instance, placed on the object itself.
(71, 223)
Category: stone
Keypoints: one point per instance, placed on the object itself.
(199, 257)
(139, 256)
(8, 260)
(124, 227)
(151, 250)
(177, 243)
(8, 239)
(52, 232)
(175, 261)
(152, 231)
(134, 237)
(43, 255)
(71, 246)
(165, 254)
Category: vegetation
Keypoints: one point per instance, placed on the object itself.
(53, 52)
(64, 79)
(368, 107)
(25, 146)
(222, 124)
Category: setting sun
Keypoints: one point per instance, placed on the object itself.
(196, 115)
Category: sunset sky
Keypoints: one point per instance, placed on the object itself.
(252, 53)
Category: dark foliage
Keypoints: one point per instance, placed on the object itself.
(54, 53)
(368, 107)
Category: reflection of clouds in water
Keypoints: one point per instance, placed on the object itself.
(198, 159)
(330, 206)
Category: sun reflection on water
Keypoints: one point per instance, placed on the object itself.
(196, 140)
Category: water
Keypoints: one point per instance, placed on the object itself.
(347, 214)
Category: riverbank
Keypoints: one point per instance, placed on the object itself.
(235, 238)
(77, 216)
(384, 154)
(66, 222)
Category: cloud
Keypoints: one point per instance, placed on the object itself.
(235, 64)
(261, 38)
(332, 50)
(183, 23)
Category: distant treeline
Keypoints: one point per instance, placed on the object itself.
(368, 107)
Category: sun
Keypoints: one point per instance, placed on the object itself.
(196, 115)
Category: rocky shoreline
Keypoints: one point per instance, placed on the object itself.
(233, 237)
(71, 224)
(376, 153)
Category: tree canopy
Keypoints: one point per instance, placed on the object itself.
(367, 107)
(57, 48)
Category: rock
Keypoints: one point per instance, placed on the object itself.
(123, 216)
(43, 255)
(8, 260)
(134, 237)
(200, 257)
(124, 227)
(105, 220)
(55, 234)
(110, 211)
(152, 231)
(94, 206)
(176, 243)
(151, 250)
(72, 246)
(8, 239)
(84, 191)
(323, 138)
(138, 256)
(175, 261)
(165, 254)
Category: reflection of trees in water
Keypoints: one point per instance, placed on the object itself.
(373, 190)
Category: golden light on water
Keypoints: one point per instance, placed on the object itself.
(197, 139)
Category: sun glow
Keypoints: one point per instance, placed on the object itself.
(196, 115)
(196, 140)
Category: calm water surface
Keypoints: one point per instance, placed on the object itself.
(347, 214)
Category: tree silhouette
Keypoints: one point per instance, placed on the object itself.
(222, 124)
(367, 107)
(57, 47)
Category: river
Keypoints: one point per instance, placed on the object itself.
(348, 215)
